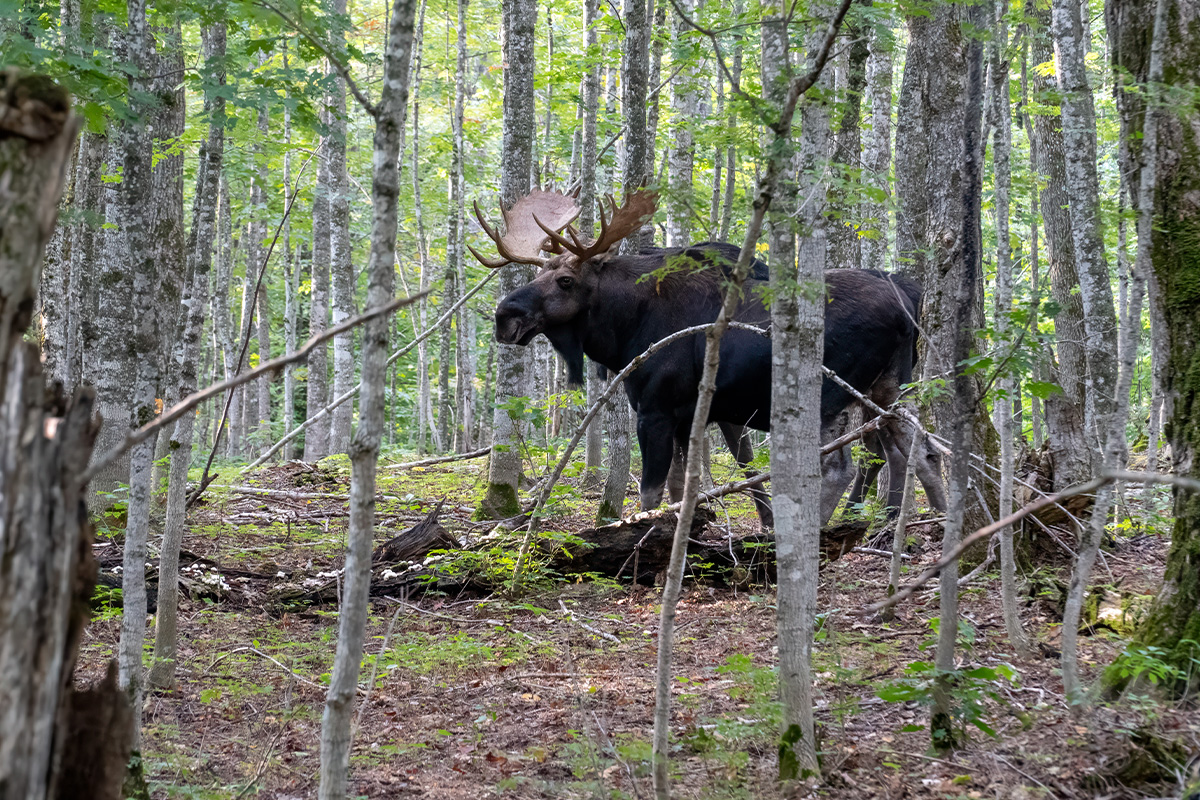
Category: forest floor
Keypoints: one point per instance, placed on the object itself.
(551, 695)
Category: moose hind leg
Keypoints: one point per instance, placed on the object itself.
(738, 440)
(656, 438)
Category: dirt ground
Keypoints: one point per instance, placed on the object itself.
(551, 695)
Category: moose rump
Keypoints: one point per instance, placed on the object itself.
(589, 301)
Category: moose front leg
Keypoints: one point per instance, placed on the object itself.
(656, 438)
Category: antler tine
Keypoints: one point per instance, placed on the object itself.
(575, 237)
(603, 222)
(491, 232)
(557, 238)
(490, 263)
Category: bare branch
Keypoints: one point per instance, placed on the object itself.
(1105, 477)
(342, 71)
(403, 351)
(191, 401)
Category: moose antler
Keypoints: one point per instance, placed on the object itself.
(523, 237)
(623, 221)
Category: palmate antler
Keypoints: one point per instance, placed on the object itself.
(523, 238)
(624, 220)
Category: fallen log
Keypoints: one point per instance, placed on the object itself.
(415, 543)
(639, 547)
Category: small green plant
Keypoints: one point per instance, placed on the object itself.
(1146, 662)
(970, 689)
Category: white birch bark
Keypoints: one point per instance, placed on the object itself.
(336, 731)
(1007, 387)
(878, 155)
(685, 102)
(1100, 334)
(512, 361)
(316, 436)
(144, 333)
(342, 271)
(797, 350)
(199, 257)
(456, 247)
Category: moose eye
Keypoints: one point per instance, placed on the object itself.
(565, 282)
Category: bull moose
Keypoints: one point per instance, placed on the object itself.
(588, 300)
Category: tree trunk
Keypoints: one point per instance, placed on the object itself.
(731, 151)
(1167, 173)
(54, 741)
(427, 427)
(513, 361)
(144, 342)
(291, 274)
(1100, 335)
(341, 263)
(1064, 412)
(616, 483)
(656, 31)
(845, 246)
(797, 350)
(247, 420)
(364, 448)
(1095, 288)
(199, 257)
(930, 187)
(937, 240)
(316, 437)
(594, 443)
(465, 356)
(636, 70)
(878, 155)
(685, 103)
(262, 425)
(108, 366)
(222, 320)
(1002, 182)
(85, 243)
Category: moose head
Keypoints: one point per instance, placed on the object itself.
(556, 301)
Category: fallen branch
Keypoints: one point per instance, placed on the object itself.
(1105, 477)
(327, 410)
(191, 401)
(589, 628)
(483, 451)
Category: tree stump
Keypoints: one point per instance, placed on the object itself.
(54, 741)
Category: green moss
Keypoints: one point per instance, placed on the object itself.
(500, 502)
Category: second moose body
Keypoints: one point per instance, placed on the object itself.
(589, 301)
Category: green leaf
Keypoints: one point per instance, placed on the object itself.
(1043, 389)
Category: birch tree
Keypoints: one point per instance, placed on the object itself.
(364, 448)
(1099, 317)
(137, 182)
(316, 437)
(685, 104)
(512, 361)
(342, 271)
(1006, 386)
(797, 349)
(199, 257)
